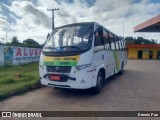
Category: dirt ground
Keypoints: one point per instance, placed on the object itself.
(138, 89)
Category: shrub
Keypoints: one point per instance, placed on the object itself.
(7, 80)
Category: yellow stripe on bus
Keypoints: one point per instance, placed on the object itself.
(61, 59)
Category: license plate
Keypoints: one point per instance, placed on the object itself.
(53, 77)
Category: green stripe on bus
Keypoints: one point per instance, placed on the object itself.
(57, 63)
(116, 60)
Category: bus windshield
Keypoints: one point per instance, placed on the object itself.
(71, 38)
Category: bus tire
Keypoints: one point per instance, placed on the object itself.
(122, 69)
(99, 84)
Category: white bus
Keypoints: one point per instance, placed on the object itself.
(81, 56)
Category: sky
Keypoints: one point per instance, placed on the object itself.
(30, 18)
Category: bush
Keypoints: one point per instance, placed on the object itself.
(18, 79)
(27, 77)
(7, 80)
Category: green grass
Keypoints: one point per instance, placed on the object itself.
(17, 79)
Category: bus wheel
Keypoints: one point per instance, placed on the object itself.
(121, 71)
(99, 85)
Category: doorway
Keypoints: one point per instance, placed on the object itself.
(158, 55)
(150, 54)
(140, 54)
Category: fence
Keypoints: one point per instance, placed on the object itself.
(12, 55)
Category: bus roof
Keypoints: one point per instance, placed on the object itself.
(80, 23)
(83, 23)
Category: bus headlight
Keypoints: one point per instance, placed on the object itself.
(81, 67)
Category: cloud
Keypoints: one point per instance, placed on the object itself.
(34, 21)
(30, 22)
(0, 8)
(4, 24)
(29, 12)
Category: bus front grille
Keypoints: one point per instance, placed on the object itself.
(59, 69)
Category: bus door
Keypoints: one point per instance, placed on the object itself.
(98, 54)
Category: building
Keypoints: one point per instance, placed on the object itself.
(151, 25)
(146, 51)
(143, 51)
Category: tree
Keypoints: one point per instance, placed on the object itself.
(154, 41)
(31, 43)
(129, 40)
(15, 41)
(139, 40)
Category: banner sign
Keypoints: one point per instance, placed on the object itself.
(31, 114)
(61, 61)
(11, 55)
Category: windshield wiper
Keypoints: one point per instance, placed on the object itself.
(51, 48)
(71, 47)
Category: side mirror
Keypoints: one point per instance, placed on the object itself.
(100, 30)
(48, 35)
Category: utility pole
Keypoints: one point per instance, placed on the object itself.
(6, 37)
(123, 30)
(53, 16)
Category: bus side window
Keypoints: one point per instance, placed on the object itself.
(106, 40)
(120, 45)
(112, 41)
(123, 45)
(98, 40)
(116, 43)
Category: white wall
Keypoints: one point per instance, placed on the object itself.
(11, 55)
